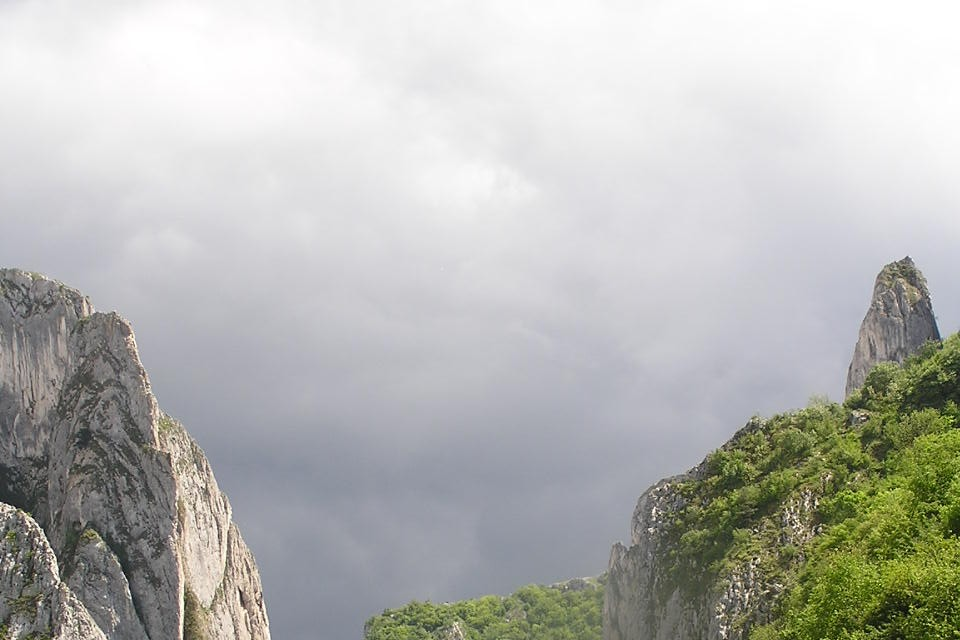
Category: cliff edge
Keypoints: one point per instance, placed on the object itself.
(129, 530)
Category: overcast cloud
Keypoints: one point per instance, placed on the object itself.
(441, 287)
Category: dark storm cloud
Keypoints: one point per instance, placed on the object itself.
(442, 287)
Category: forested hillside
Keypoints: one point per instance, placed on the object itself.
(569, 611)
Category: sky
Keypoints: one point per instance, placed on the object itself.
(441, 287)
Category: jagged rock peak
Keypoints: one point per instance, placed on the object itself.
(136, 537)
(899, 321)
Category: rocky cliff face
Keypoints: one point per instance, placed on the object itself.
(134, 535)
(654, 594)
(640, 602)
(899, 321)
(709, 548)
(36, 603)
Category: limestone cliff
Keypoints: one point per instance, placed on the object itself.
(707, 551)
(633, 605)
(711, 550)
(36, 602)
(142, 539)
(899, 321)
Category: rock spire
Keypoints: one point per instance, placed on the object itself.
(113, 525)
(899, 321)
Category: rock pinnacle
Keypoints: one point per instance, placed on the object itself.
(899, 321)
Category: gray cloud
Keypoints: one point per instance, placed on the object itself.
(441, 287)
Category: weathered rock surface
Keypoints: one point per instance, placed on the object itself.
(639, 603)
(35, 602)
(899, 321)
(97, 579)
(645, 601)
(126, 499)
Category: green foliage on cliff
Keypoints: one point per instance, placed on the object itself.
(845, 519)
(533, 612)
(849, 513)
(194, 617)
(888, 562)
(735, 502)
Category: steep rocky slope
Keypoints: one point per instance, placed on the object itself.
(36, 602)
(709, 549)
(141, 538)
(713, 551)
(899, 320)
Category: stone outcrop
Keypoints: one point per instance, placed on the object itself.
(35, 602)
(899, 321)
(639, 602)
(124, 499)
(645, 597)
(645, 601)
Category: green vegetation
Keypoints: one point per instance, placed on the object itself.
(25, 604)
(888, 562)
(848, 516)
(873, 487)
(873, 490)
(194, 617)
(906, 272)
(734, 505)
(166, 424)
(13, 542)
(89, 536)
(533, 612)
